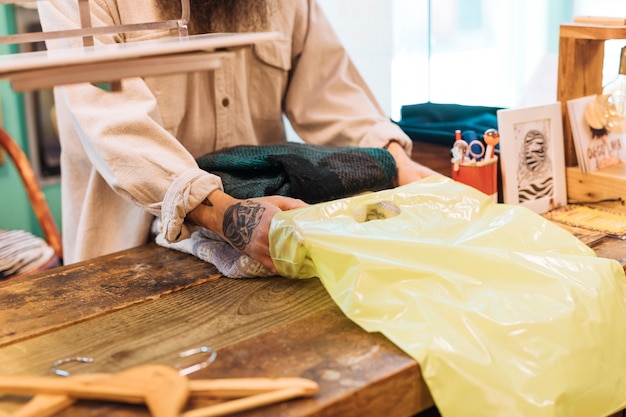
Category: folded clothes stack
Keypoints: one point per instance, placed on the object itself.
(311, 173)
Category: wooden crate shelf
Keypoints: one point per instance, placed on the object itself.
(606, 184)
(580, 67)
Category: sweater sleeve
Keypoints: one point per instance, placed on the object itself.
(327, 101)
(122, 134)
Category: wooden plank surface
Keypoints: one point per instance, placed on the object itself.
(611, 248)
(266, 327)
(609, 183)
(433, 155)
(148, 304)
(47, 301)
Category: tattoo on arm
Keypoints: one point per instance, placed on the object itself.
(240, 220)
(207, 202)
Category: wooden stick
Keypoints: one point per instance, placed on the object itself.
(33, 385)
(82, 32)
(47, 405)
(241, 387)
(132, 386)
(85, 20)
(117, 70)
(246, 403)
(87, 31)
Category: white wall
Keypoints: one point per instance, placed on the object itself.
(365, 28)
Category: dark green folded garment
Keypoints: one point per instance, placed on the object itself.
(436, 123)
(311, 173)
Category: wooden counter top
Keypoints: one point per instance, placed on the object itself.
(147, 304)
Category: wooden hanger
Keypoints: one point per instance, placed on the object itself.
(161, 388)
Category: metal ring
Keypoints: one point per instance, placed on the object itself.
(476, 155)
(197, 366)
(55, 366)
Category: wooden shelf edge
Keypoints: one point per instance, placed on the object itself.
(606, 184)
(28, 61)
(116, 71)
(592, 31)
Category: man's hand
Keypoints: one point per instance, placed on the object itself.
(245, 224)
(408, 170)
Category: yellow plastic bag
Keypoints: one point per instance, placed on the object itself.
(506, 313)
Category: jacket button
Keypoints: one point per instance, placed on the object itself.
(225, 102)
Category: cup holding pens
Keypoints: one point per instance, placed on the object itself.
(476, 166)
(482, 175)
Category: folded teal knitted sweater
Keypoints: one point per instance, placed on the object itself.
(311, 173)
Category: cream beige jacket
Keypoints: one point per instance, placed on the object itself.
(129, 156)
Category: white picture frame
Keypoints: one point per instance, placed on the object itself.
(532, 157)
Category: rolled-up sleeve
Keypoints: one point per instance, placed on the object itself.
(184, 194)
(122, 134)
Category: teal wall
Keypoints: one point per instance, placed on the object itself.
(15, 208)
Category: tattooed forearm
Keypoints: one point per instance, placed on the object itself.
(207, 202)
(240, 220)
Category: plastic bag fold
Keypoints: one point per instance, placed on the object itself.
(506, 313)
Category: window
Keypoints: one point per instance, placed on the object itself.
(481, 52)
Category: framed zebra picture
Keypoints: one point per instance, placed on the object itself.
(532, 158)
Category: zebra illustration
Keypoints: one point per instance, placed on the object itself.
(535, 167)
